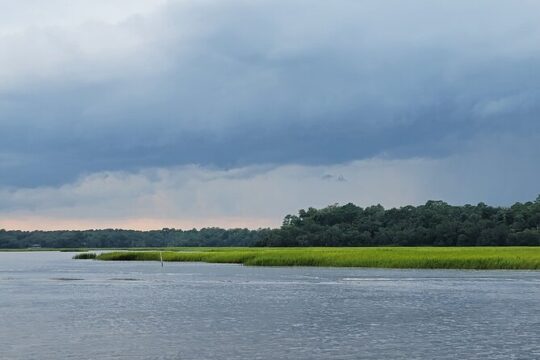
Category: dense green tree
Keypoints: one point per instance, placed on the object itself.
(435, 223)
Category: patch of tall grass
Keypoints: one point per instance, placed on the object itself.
(379, 257)
(85, 256)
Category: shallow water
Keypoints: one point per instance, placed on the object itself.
(52, 307)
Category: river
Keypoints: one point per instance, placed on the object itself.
(52, 307)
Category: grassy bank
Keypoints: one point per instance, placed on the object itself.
(170, 248)
(44, 249)
(85, 256)
(377, 257)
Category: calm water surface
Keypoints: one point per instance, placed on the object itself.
(52, 307)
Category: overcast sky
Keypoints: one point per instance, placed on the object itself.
(149, 114)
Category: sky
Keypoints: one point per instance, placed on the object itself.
(146, 114)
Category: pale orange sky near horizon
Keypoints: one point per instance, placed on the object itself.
(31, 223)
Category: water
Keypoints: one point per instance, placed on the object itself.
(52, 307)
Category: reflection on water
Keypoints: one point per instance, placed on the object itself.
(52, 307)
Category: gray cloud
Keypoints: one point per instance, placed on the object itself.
(256, 196)
(121, 86)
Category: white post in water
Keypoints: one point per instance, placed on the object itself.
(161, 258)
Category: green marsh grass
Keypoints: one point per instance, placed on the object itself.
(85, 256)
(376, 257)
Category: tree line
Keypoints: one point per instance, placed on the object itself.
(119, 238)
(435, 223)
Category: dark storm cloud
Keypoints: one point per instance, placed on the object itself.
(233, 83)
